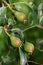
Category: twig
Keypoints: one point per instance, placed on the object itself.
(18, 61)
(34, 62)
(28, 28)
(8, 5)
(8, 53)
(39, 26)
(2, 4)
(0, 63)
(27, 64)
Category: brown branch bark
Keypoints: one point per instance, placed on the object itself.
(34, 62)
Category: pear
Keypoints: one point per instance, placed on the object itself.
(16, 42)
(20, 16)
(29, 47)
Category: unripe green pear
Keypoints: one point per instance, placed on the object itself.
(20, 16)
(29, 47)
(16, 42)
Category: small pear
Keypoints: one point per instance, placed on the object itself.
(29, 47)
(20, 16)
(16, 42)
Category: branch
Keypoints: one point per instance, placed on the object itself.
(0, 63)
(8, 5)
(28, 28)
(34, 62)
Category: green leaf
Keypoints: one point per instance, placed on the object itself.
(2, 20)
(6, 59)
(18, 32)
(11, 22)
(22, 6)
(37, 2)
(14, 1)
(3, 10)
(23, 58)
(41, 20)
(3, 40)
(40, 10)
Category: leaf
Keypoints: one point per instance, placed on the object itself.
(41, 21)
(21, 7)
(14, 56)
(3, 40)
(3, 10)
(14, 1)
(11, 22)
(18, 32)
(6, 59)
(37, 2)
(23, 59)
(2, 20)
(40, 10)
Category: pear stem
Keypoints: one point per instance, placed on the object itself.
(8, 5)
(6, 32)
(28, 28)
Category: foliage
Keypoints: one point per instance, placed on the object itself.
(21, 23)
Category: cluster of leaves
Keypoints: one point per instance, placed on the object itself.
(30, 30)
